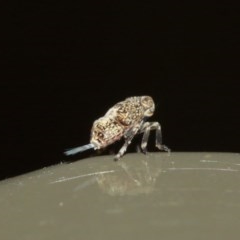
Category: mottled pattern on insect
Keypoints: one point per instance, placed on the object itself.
(125, 119)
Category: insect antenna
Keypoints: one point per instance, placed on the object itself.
(73, 151)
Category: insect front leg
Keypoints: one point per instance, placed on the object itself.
(146, 128)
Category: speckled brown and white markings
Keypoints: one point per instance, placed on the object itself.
(124, 119)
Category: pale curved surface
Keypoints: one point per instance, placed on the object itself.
(158, 196)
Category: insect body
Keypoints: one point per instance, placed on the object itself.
(124, 119)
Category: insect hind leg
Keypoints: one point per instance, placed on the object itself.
(128, 138)
(122, 150)
(146, 128)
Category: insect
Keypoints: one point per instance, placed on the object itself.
(125, 119)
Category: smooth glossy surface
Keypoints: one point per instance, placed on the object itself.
(158, 196)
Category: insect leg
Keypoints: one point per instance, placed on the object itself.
(123, 149)
(146, 127)
(159, 145)
(128, 138)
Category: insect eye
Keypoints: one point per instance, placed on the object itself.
(147, 102)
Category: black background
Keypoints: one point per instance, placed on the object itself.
(66, 63)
